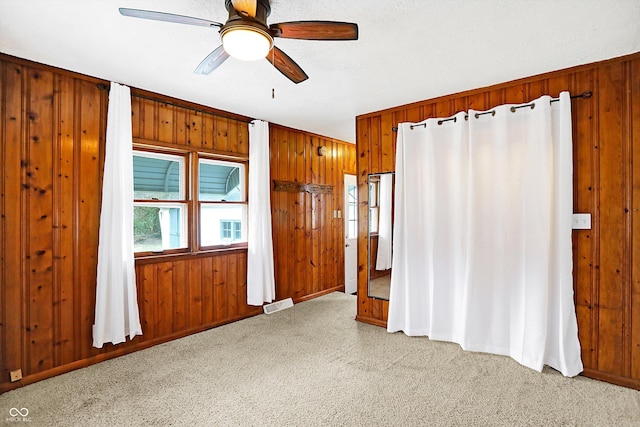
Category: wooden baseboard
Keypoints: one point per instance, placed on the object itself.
(613, 379)
(370, 321)
(319, 294)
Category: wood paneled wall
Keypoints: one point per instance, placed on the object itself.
(606, 138)
(308, 241)
(52, 134)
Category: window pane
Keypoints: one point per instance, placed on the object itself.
(352, 194)
(158, 176)
(158, 227)
(222, 224)
(353, 213)
(373, 194)
(225, 230)
(373, 220)
(220, 181)
(237, 230)
(353, 230)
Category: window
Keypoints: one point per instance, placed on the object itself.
(160, 205)
(165, 196)
(230, 230)
(223, 207)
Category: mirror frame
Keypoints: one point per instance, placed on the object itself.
(369, 181)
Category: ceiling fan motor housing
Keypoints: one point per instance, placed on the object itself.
(238, 20)
(263, 10)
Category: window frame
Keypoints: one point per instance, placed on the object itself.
(191, 202)
(183, 199)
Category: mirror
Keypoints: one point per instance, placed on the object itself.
(379, 247)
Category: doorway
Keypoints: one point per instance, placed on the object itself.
(351, 234)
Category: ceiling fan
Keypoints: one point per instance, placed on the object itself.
(247, 36)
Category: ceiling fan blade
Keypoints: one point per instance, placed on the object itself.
(315, 30)
(212, 61)
(286, 65)
(167, 17)
(247, 6)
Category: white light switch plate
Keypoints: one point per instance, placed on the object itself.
(581, 221)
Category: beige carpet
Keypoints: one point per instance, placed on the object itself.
(314, 365)
(379, 288)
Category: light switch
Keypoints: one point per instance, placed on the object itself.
(581, 221)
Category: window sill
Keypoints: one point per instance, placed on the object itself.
(157, 258)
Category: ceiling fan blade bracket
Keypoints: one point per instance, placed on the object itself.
(275, 31)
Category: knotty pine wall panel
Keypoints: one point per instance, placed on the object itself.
(633, 225)
(606, 153)
(308, 241)
(52, 137)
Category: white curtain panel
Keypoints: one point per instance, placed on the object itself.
(383, 257)
(482, 234)
(116, 311)
(261, 286)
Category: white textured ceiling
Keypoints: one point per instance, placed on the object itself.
(408, 50)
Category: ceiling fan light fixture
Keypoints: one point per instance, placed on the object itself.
(247, 43)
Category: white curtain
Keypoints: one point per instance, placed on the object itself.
(482, 234)
(261, 286)
(383, 257)
(116, 312)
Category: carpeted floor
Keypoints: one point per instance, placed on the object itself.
(313, 364)
(379, 288)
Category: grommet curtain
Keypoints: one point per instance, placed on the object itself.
(482, 233)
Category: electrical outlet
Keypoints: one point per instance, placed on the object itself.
(581, 221)
(16, 375)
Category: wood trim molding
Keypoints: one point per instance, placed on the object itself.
(318, 294)
(147, 143)
(297, 187)
(372, 321)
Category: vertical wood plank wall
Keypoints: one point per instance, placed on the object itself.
(52, 129)
(606, 138)
(308, 241)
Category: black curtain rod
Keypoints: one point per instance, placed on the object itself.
(586, 94)
(149, 98)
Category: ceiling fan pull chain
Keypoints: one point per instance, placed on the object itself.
(273, 62)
